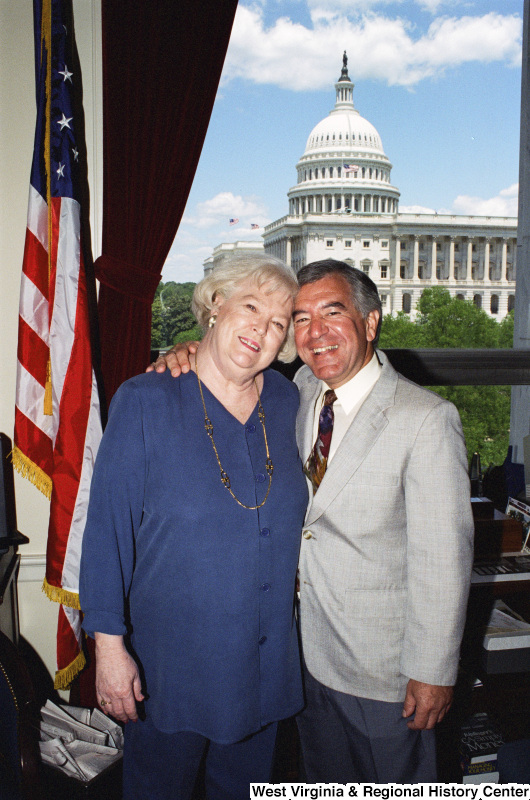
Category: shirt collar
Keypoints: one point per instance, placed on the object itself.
(357, 387)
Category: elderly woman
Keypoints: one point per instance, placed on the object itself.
(191, 547)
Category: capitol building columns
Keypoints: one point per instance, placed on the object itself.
(452, 273)
(487, 261)
(469, 261)
(435, 276)
(397, 262)
(504, 259)
(416, 263)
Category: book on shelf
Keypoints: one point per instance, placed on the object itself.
(482, 777)
(506, 644)
(504, 621)
(480, 740)
(520, 511)
(480, 772)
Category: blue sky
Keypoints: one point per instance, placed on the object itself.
(439, 79)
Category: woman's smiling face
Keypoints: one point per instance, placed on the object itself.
(251, 325)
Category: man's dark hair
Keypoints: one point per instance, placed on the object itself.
(364, 292)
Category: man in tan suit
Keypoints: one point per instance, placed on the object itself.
(387, 545)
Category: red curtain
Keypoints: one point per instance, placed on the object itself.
(162, 60)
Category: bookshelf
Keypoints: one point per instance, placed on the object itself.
(498, 686)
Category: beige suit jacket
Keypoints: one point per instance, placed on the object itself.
(387, 548)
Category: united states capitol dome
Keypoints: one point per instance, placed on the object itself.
(344, 167)
(344, 126)
(345, 129)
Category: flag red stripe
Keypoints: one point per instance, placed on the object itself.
(68, 458)
(69, 444)
(32, 352)
(67, 644)
(35, 264)
(31, 440)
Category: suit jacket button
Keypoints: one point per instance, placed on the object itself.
(307, 535)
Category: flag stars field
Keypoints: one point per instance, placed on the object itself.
(64, 122)
(67, 76)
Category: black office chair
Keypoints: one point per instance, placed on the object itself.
(19, 747)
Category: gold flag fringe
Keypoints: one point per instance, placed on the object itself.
(60, 595)
(64, 677)
(32, 472)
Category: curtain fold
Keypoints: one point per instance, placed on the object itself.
(161, 67)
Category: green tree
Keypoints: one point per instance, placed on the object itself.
(485, 415)
(433, 298)
(449, 322)
(400, 331)
(180, 316)
(506, 331)
(158, 330)
(445, 321)
(172, 318)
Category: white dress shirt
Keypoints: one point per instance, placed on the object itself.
(350, 398)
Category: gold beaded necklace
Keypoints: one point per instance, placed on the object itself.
(209, 430)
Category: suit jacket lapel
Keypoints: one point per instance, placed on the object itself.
(358, 440)
(309, 387)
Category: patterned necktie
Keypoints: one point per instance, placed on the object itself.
(318, 460)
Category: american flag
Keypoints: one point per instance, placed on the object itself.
(254, 226)
(57, 417)
(350, 168)
(233, 221)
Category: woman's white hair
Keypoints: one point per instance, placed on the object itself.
(223, 280)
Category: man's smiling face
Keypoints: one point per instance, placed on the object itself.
(331, 336)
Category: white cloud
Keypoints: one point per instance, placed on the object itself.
(434, 5)
(450, 42)
(324, 9)
(503, 205)
(186, 266)
(224, 206)
(207, 226)
(291, 55)
(363, 6)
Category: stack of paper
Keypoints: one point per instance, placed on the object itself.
(506, 629)
(81, 742)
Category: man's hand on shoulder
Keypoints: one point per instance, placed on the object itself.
(178, 360)
(428, 703)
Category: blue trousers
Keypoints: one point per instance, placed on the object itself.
(164, 766)
(347, 739)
